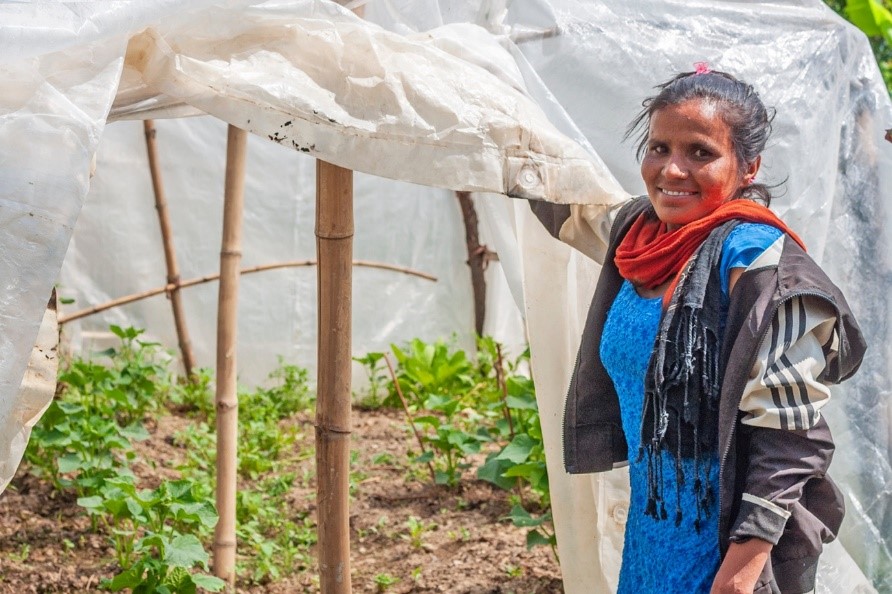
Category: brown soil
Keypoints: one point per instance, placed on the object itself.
(466, 546)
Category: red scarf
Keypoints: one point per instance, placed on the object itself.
(650, 254)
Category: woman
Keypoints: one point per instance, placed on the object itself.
(705, 357)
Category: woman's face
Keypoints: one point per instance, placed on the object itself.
(690, 167)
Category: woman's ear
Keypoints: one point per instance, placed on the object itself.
(749, 176)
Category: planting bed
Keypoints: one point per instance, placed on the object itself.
(407, 535)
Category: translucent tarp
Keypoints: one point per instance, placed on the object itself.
(589, 64)
(586, 64)
(307, 74)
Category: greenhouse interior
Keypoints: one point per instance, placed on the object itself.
(305, 333)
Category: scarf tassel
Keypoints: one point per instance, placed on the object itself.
(684, 377)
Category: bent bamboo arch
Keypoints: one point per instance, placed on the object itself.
(170, 288)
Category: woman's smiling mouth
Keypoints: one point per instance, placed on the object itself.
(676, 193)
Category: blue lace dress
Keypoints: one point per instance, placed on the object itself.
(658, 556)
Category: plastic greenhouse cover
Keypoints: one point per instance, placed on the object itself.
(307, 74)
(589, 64)
(586, 64)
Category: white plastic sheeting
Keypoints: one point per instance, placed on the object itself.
(307, 74)
(598, 59)
(587, 64)
(34, 397)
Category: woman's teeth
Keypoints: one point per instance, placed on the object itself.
(671, 193)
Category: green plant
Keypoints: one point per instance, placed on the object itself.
(523, 456)
(874, 18)
(151, 533)
(195, 394)
(416, 574)
(289, 393)
(383, 581)
(463, 405)
(513, 571)
(541, 527)
(84, 443)
(416, 530)
(23, 553)
(426, 370)
(377, 392)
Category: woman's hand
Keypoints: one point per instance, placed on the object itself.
(741, 568)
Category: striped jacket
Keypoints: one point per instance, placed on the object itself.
(789, 333)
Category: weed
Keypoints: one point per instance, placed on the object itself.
(378, 391)
(22, 554)
(416, 530)
(513, 572)
(383, 581)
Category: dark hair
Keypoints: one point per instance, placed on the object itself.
(739, 107)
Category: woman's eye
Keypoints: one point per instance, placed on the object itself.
(702, 153)
(658, 149)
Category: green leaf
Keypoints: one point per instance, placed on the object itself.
(69, 463)
(180, 580)
(427, 420)
(425, 457)
(518, 450)
(94, 502)
(185, 550)
(129, 578)
(871, 16)
(492, 470)
(204, 513)
(70, 408)
(528, 470)
(208, 582)
(536, 538)
(522, 518)
(135, 432)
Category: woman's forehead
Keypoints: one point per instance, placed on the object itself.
(693, 116)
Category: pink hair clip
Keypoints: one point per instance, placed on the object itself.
(701, 68)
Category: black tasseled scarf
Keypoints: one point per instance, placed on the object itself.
(683, 382)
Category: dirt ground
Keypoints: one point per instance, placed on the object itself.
(464, 545)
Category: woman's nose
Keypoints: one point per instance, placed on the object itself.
(675, 170)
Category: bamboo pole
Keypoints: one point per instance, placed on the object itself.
(89, 311)
(170, 255)
(227, 325)
(334, 246)
(477, 254)
(399, 392)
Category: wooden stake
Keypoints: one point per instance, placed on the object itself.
(334, 247)
(477, 254)
(227, 325)
(82, 313)
(170, 256)
(399, 392)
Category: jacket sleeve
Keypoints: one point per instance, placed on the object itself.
(788, 442)
(585, 227)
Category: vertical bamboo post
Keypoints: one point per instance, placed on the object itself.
(334, 246)
(170, 256)
(227, 324)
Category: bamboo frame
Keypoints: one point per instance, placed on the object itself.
(82, 313)
(399, 392)
(226, 397)
(170, 255)
(334, 246)
(477, 258)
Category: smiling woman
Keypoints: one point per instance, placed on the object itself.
(701, 367)
(690, 166)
